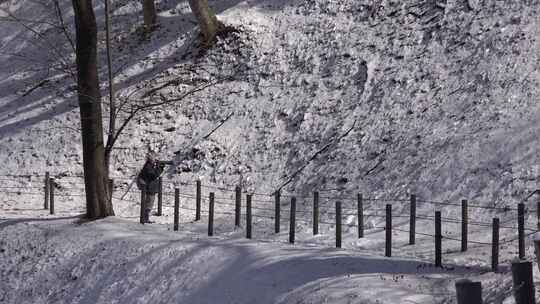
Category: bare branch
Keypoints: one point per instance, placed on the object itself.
(58, 53)
(63, 26)
(39, 84)
(314, 156)
(218, 126)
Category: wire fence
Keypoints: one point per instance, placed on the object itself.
(361, 212)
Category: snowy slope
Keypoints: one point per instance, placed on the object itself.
(440, 100)
(437, 104)
(119, 261)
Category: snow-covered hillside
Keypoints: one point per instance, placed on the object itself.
(437, 99)
(442, 98)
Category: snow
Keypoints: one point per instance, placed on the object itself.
(444, 104)
(115, 260)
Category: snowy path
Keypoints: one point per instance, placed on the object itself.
(52, 259)
(116, 260)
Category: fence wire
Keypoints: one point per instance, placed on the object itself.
(65, 186)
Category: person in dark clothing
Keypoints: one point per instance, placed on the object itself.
(148, 182)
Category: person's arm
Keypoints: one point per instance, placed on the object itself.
(160, 168)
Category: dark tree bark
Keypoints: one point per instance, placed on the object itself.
(149, 14)
(98, 205)
(209, 24)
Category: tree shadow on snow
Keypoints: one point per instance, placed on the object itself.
(14, 111)
(265, 280)
(4, 222)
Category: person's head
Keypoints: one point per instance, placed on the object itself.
(151, 156)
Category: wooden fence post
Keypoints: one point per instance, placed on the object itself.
(538, 215)
(47, 183)
(176, 208)
(248, 216)
(438, 239)
(160, 197)
(277, 221)
(198, 198)
(523, 282)
(521, 230)
(537, 191)
(468, 292)
(360, 215)
(495, 246)
(315, 213)
(338, 224)
(211, 215)
(238, 207)
(141, 214)
(292, 220)
(388, 228)
(412, 221)
(538, 208)
(51, 198)
(464, 224)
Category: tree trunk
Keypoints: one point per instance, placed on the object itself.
(95, 174)
(149, 13)
(209, 24)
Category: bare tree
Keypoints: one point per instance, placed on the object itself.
(208, 22)
(149, 14)
(95, 173)
(112, 103)
(59, 61)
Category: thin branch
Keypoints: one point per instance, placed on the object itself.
(314, 156)
(43, 39)
(379, 162)
(39, 84)
(9, 19)
(112, 104)
(181, 97)
(218, 126)
(63, 26)
(136, 109)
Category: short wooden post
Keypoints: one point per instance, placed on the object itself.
(51, 198)
(211, 215)
(46, 200)
(248, 216)
(464, 224)
(338, 224)
(160, 197)
(412, 220)
(538, 215)
(141, 214)
(111, 188)
(238, 206)
(315, 213)
(360, 215)
(495, 246)
(292, 220)
(176, 208)
(521, 230)
(468, 292)
(198, 199)
(277, 209)
(388, 228)
(438, 239)
(522, 277)
(538, 209)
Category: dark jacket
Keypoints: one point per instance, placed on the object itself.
(148, 178)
